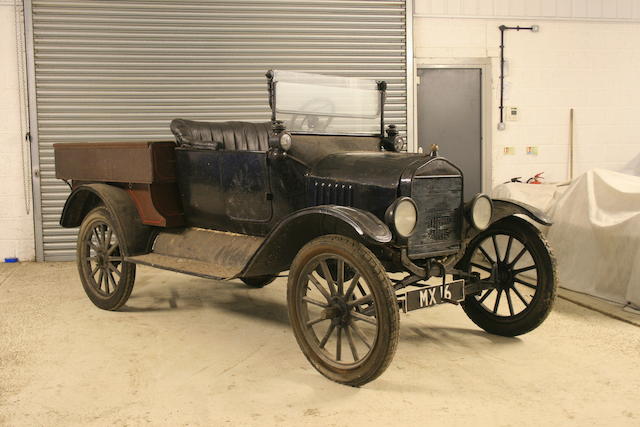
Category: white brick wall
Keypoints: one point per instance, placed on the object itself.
(625, 10)
(589, 66)
(16, 225)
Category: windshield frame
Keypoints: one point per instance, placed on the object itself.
(272, 87)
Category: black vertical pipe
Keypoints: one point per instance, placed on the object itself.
(502, 29)
(272, 94)
(381, 114)
(382, 87)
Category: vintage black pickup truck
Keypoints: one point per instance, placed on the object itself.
(324, 191)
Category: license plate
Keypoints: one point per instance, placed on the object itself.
(451, 292)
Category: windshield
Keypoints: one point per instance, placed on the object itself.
(315, 103)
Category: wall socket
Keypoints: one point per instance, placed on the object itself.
(512, 114)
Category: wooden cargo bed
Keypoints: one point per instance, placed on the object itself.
(146, 170)
(127, 162)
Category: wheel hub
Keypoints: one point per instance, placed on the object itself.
(339, 311)
(101, 259)
(504, 276)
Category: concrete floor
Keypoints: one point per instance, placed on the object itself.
(188, 351)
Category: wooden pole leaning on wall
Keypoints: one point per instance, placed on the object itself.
(570, 144)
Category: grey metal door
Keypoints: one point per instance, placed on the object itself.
(450, 115)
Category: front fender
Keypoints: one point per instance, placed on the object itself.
(503, 208)
(506, 207)
(283, 243)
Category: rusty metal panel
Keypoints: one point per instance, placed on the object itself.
(158, 204)
(180, 265)
(206, 253)
(135, 162)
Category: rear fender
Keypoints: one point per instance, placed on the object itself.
(87, 197)
(283, 243)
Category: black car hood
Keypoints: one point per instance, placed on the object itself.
(384, 169)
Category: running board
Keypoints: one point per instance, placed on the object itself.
(204, 253)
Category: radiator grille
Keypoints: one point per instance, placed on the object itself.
(440, 227)
(439, 221)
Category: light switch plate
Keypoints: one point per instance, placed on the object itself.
(512, 114)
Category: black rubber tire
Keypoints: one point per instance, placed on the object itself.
(128, 275)
(545, 294)
(386, 342)
(258, 281)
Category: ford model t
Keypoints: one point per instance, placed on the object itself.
(324, 192)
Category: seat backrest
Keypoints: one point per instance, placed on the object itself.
(232, 135)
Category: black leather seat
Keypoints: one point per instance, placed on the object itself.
(224, 135)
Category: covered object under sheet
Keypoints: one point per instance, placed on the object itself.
(596, 235)
(633, 167)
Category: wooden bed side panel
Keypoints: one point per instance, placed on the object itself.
(158, 204)
(139, 162)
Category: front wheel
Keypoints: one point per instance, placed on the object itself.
(516, 265)
(343, 310)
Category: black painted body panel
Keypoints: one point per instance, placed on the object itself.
(252, 192)
(371, 179)
(379, 169)
(225, 190)
(239, 191)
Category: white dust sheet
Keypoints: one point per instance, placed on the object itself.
(596, 231)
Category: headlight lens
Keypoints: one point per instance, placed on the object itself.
(398, 144)
(404, 216)
(285, 141)
(481, 212)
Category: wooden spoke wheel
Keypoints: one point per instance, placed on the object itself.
(343, 310)
(106, 277)
(515, 263)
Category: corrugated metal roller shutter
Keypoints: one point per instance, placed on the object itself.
(121, 70)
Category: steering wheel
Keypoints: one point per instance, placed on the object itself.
(313, 122)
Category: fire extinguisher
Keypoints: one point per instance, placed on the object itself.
(536, 179)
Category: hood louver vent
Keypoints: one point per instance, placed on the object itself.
(331, 193)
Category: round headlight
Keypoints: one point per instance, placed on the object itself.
(481, 211)
(285, 141)
(398, 144)
(403, 215)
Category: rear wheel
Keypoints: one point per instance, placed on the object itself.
(515, 263)
(106, 277)
(343, 310)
